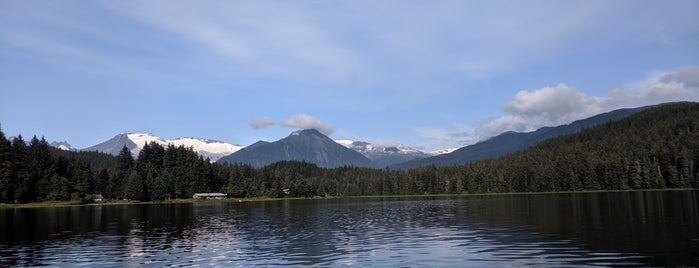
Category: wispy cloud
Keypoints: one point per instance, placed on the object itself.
(262, 123)
(255, 39)
(356, 41)
(355, 44)
(442, 138)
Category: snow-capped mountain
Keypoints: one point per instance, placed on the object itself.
(211, 149)
(384, 154)
(63, 145)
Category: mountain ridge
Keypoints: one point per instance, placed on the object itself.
(207, 148)
(510, 141)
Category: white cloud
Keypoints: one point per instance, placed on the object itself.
(549, 104)
(299, 121)
(689, 77)
(563, 104)
(304, 121)
(262, 123)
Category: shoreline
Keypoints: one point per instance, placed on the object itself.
(49, 204)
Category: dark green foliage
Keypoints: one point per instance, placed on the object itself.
(135, 187)
(124, 166)
(96, 160)
(652, 149)
(7, 177)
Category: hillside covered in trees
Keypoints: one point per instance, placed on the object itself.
(652, 149)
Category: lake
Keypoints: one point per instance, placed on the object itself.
(648, 228)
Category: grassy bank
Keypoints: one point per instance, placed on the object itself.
(267, 199)
(125, 202)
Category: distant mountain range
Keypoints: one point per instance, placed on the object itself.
(304, 145)
(380, 155)
(384, 155)
(510, 142)
(211, 149)
(314, 147)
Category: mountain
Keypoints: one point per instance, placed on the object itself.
(510, 142)
(304, 145)
(384, 155)
(114, 145)
(211, 149)
(63, 145)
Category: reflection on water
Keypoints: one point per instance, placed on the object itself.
(591, 229)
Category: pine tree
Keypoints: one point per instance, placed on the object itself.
(135, 187)
(125, 163)
(19, 158)
(6, 173)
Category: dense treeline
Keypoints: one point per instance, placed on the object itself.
(655, 148)
(35, 171)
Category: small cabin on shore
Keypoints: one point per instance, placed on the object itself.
(209, 196)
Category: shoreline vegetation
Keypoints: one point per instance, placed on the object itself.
(77, 203)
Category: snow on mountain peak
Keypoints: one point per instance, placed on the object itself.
(384, 154)
(63, 145)
(444, 151)
(207, 148)
(388, 148)
(211, 149)
(140, 139)
(346, 143)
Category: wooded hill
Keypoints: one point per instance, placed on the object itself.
(652, 149)
(510, 142)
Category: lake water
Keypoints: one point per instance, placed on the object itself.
(655, 228)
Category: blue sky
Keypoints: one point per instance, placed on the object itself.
(430, 74)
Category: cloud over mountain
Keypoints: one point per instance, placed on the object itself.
(298, 121)
(529, 110)
(304, 121)
(550, 106)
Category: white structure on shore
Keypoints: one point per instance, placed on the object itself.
(209, 196)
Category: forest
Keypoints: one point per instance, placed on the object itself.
(654, 149)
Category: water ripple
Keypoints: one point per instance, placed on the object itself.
(385, 233)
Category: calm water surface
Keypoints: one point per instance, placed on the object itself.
(542, 230)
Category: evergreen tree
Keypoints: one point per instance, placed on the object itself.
(6, 172)
(135, 187)
(101, 181)
(125, 163)
(19, 158)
